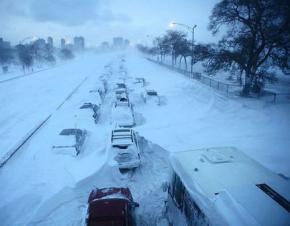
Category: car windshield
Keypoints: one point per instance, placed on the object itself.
(121, 146)
(151, 93)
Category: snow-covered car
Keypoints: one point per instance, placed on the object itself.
(140, 80)
(121, 92)
(120, 85)
(122, 101)
(125, 148)
(150, 95)
(71, 140)
(111, 207)
(94, 108)
(95, 96)
(123, 116)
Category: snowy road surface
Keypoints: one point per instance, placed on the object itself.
(40, 186)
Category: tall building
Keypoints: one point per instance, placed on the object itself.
(50, 42)
(105, 45)
(118, 42)
(69, 46)
(4, 44)
(40, 43)
(126, 43)
(79, 43)
(62, 43)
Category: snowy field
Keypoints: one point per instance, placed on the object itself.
(42, 186)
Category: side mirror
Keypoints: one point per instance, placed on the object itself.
(165, 186)
(135, 204)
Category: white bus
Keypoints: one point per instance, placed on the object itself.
(222, 186)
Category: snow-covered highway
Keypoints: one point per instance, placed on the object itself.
(42, 187)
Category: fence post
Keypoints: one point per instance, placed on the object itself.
(218, 85)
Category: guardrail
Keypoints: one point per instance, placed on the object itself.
(221, 86)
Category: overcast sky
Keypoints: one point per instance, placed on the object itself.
(100, 20)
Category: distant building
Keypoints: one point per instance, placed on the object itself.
(79, 43)
(118, 42)
(105, 46)
(40, 43)
(126, 43)
(69, 46)
(62, 43)
(4, 44)
(50, 42)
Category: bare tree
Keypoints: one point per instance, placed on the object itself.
(183, 50)
(25, 55)
(174, 40)
(257, 38)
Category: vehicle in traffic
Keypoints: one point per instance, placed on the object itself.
(121, 93)
(149, 95)
(71, 140)
(223, 186)
(140, 80)
(111, 207)
(125, 148)
(121, 85)
(123, 101)
(95, 110)
(123, 116)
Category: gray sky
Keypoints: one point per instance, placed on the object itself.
(100, 20)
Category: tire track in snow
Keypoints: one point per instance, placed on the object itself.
(11, 153)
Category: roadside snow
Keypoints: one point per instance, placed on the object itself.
(27, 101)
(196, 116)
(42, 187)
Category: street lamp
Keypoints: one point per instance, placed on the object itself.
(27, 38)
(173, 24)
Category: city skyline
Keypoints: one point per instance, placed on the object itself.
(139, 21)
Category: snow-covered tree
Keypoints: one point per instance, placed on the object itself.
(257, 37)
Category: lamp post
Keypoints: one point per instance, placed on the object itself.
(172, 24)
(27, 38)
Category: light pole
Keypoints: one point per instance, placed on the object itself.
(27, 38)
(172, 24)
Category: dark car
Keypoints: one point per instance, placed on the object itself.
(111, 207)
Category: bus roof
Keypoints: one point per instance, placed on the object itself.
(224, 173)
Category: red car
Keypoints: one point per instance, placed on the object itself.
(111, 207)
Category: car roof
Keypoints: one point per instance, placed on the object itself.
(71, 132)
(151, 92)
(104, 193)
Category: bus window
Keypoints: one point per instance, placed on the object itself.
(178, 191)
(193, 214)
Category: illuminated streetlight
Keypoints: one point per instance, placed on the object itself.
(172, 24)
